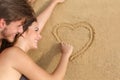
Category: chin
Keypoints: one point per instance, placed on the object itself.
(10, 40)
(35, 47)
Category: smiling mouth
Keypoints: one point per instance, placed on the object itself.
(14, 35)
(36, 41)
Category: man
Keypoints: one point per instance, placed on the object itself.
(13, 14)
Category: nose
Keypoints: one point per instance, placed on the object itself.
(39, 36)
(20, 29)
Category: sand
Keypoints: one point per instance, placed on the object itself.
(92, 27)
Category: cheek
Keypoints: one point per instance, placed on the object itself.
(40, 37)
(11, 29)
(31, 36)
(5, 31)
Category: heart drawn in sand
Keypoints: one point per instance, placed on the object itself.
(80, 35)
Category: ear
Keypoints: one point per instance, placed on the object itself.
(2, 24)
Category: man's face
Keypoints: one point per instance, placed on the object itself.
(12, 29)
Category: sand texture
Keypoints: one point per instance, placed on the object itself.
(93, 28)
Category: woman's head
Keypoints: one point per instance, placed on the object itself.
(31, 33)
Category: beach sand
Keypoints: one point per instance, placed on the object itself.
(93, 28)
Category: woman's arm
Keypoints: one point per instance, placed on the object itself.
(44, 16)
(60, 70)
(25, 65)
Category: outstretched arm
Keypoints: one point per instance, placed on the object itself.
(32, 71)
(60, 70)
(44, 16)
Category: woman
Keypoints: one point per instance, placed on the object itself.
(14, 61)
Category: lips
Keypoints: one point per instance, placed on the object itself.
(35, 44)
(36, 41)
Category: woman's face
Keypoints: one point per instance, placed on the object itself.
(32, 35)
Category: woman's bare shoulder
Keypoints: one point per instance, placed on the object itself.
(13, 57)
(12, 53)
(12, 50)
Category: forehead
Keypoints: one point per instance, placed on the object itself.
(18, 22)
(34, 24)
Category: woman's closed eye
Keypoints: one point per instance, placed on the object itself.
(36, 29)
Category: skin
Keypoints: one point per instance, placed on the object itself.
(8, 32)
(31, 1)
(14, 61)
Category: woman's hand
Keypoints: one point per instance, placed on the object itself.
(66, 49)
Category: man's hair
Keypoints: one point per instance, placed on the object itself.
(14, 10)
(6, 44)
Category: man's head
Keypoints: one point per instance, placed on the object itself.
(13, 14)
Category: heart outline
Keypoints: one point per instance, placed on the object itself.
(83, 24)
